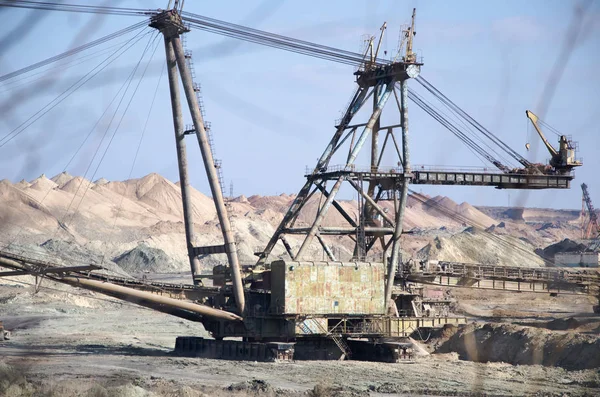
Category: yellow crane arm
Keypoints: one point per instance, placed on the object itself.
(534, 120)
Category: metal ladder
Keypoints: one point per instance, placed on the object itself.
(207, 126)
(338, 340)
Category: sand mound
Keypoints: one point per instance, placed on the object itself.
(441, 206)
(519, 345)
(23, 184)
(240, 199)
(9, 194)
(149, 209)
(467, 247)
(146, 259)
(565, 245)
(61, 178)
(43, 184)
(101, 181)
(276, 203)
(69, 253)
(77, 185)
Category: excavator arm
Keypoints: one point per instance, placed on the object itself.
(534, 121)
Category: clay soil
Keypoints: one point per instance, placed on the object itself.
(75, 343)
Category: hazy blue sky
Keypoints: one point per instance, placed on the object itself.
(273, 112)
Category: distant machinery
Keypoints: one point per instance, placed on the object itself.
(590, 227)
(562, 160)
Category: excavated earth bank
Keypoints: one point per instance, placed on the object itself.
(520, 345)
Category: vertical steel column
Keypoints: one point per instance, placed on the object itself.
(368, 210)
(211, 173)
(394, 261)
(184, 179)
(375, 138)
(404, 122)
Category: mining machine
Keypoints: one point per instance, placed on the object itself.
(562, 160)
(590, 227)
(295, 306)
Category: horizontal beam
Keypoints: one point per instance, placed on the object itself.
(480, 272)
(387, 127)
(341, 230)
(393, 177)
(499, 180)
(68, 269)
(209, 250)
(542, 286)
(51, 270)
(14, 273)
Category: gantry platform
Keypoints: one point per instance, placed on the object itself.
(520, 279)
(372, 74)
(391, 177)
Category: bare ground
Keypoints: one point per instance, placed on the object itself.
(79, 345)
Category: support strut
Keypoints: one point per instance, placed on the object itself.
(211, 173)
(395, 259)
(184, 179)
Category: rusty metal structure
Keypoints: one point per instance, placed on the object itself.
(301, 307)
(590, 228)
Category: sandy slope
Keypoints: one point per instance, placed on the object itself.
(113, 217)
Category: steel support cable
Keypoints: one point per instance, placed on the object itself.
(152, 40)
(244, 33)
(73, 51)
(549, 127)
(468, 138)
(452, 128)
(67, 64)
(277, 41)
(52, 6)
(451, 105)
(438, 116)
(510, 151)
(137, 151)
(127, 84)
(468, 221)
(296, 49)
(468, 129)
(303, 51)
(60, 222)
(213, 25)
(223, 24)
(71, 89)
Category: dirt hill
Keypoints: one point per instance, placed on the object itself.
(112, 218)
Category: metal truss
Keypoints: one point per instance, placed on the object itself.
(374, 224)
